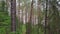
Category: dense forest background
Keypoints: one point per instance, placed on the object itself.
(30, 17)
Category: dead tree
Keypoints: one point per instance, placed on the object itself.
(13, 15)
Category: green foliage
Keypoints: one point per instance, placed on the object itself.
(4, 18)
(5, 21)
(54, 18)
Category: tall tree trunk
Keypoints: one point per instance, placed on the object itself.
(47, 24)
(39, 11)
(19, 24)
(46, 17)
(28, 31)
(13, 15)
(19, 10)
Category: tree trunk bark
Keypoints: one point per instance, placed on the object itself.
(39, 12)
(28, 31)
(19, 10)
(46, 17)
(13, 15)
